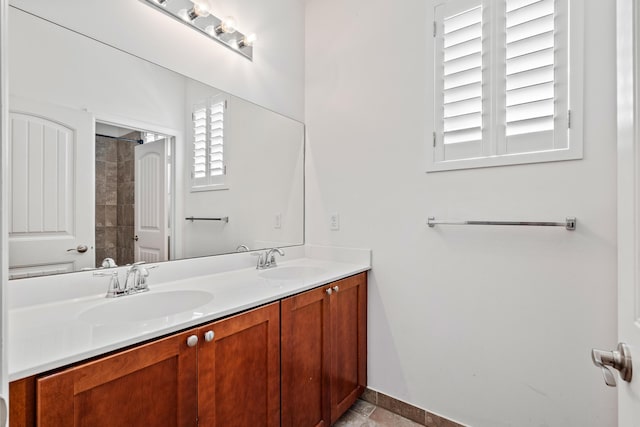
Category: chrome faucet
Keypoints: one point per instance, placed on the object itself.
(135, 280)
(268, 258)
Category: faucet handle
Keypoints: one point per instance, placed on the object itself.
(105, 273)
(144, 273)
(114, 284)
(262, 259)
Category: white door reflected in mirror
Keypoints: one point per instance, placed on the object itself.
(51, 189)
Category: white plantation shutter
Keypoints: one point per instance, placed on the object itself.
(199, 172)
(216, 141)
(502, 82)
(535, 76)
(209, 166)
(462, 77)
(459, 79)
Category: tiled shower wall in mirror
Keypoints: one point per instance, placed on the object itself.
(115, 198)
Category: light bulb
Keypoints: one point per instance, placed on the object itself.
(200, 11)
(248, 40)
(228, 25)
(201, 8)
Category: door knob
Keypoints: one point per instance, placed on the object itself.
(80, 249)
(329, 291)
(619, 359)
(209, 335)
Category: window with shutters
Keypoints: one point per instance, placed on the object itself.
(209, 166)
(508, 82)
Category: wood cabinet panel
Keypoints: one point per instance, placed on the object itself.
(348, 343)
(22, 402)
(239, 371)
(305, 359)
(324, 346)
(150, 385)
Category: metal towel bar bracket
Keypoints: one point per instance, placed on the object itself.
(223, 219)
(569, 223)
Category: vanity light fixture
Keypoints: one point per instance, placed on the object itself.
(199, 16)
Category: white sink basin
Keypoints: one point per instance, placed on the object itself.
(291, 273)
(147, 306)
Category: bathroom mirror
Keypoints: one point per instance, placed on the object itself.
(116, 157)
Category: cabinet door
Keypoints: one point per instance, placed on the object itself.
(239, 370)
(348, 342)
(305, 359)
(150, 385)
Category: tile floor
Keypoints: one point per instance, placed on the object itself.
(365, 414)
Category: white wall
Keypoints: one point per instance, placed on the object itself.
(488, 326)
(275, 78)
(50, 64)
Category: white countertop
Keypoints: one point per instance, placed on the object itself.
(50, 334)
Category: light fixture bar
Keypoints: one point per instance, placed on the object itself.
(221, 30)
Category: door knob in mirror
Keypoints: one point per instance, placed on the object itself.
(80, 249)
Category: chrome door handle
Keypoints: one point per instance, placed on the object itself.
(619, 359)
(80, 249)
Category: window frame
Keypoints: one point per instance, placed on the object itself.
(494, 137)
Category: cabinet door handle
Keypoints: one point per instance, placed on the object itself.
(329, 291)
(192, 341)
(209, 335)
(336, 288)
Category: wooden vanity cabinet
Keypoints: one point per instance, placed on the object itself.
(228, 377)
(324, 345)
(226, 373)
(239, 370)
(149, 385)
